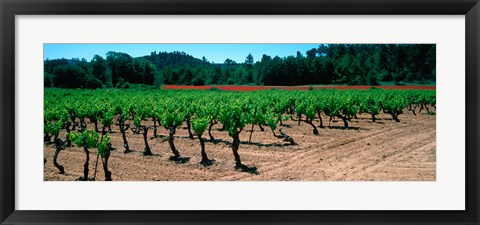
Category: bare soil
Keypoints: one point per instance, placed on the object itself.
(384, 150)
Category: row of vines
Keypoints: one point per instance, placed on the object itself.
(135, 110)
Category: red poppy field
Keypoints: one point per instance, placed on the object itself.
(256, 88)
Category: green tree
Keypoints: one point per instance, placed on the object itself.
(121, 65)
(100, 69)
(69, 76)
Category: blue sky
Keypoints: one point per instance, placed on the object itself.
(213, 52)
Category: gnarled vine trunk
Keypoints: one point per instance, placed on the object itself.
(320, 118)
(73, 117)
(146, 150)
(190, 135)
(284, 136)
(395, 116)
(123, 128)
(108, 174)
(205, 161)
(87, 160)
(235, 146)
(344, 119)
(67, 127)
(83, 124)
(170, 142)
(315, 130)
(58, 148)
(309, 121)
(155, 127)
(212, 122)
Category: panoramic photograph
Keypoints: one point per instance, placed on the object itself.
(239, 112)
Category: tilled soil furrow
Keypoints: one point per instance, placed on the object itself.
(385, 159)
(382, 150)
(326, 152)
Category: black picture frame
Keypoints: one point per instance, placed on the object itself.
(10, 8)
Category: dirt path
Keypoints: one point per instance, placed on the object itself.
(384, 150)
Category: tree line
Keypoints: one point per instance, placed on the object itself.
(351, 64)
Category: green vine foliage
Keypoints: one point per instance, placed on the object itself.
(201, 117)
(104, 146)
(234, 110)
(235, 116)
(88, 138)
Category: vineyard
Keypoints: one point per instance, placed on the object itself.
(115, 134)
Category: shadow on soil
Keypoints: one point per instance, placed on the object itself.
(162, 138)
(179, 160)
(216, 141)
(153, 155)
(247, 169)
(83, 179)
(344, 128)
(208, 163)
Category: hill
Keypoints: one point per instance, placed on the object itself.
(351, 64)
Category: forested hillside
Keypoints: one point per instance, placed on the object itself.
(351, 64)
